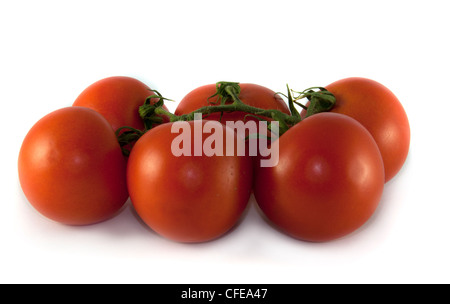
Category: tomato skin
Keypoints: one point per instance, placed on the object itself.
(380, 111)
(71, 167)
(118, 99)
(328, 182)
(187, 198)
(251, 94)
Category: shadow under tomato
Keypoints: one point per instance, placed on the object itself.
(345, 238)
(121, 225)
(220, 237)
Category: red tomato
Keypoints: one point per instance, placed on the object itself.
(379, 110)
(328, 181)
(188, 198)
(251, 94)
(118, 99)
(71, 167)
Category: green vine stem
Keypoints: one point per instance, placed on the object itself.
(319, 98)
(126, 136)
(320, 101)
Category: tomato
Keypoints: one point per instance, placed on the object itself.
(118, 99)
(188, 198)
(328, 181)
(71, 167)
(379, 110)
(251, 94)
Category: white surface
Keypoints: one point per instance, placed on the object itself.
(52, 50)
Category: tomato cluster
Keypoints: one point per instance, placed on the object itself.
(328, 179)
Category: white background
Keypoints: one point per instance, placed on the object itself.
(51, 50)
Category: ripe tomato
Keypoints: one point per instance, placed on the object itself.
(251, 94)
(379, 110)
(188, 198)
(328, 181)
(118, 99)
(71, 167)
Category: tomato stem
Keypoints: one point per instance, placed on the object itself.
(126, 136)
(320, 101)
(227, 90)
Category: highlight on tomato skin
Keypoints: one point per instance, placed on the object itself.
(71, 167)
(328, 182)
